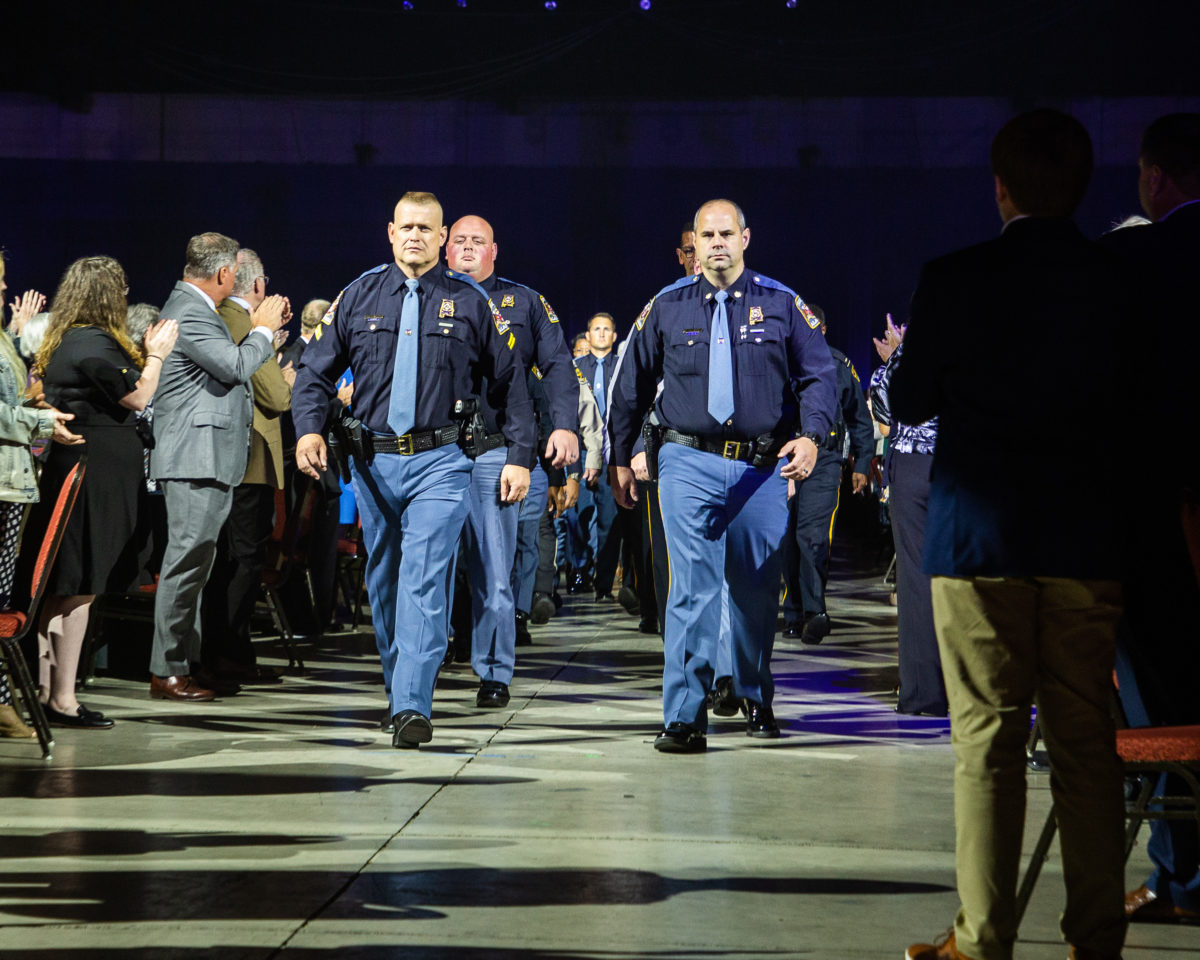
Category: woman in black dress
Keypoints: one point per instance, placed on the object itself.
(90, 367)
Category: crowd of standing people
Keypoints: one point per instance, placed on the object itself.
(704, 455)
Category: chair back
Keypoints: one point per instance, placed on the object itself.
(54, 533)
(289, 540)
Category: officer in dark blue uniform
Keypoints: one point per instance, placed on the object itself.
(734, 351)
(414, 334)
(497, 533)
(812, 511)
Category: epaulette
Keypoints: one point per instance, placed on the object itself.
(770, 284)
(497, 316)
(513, 283)
(368, 273)
(678, 284)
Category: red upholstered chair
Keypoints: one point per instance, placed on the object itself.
(1145, 753)
(351, 571)
(15, 624)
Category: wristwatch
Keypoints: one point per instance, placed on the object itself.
(816, 438)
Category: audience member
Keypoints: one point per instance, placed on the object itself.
(91, 367)
(20, 425)
(1025, 568)
(202, 424)
(227, 603)
(907, 469)
(1158, 653)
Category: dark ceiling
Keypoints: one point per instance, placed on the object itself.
(508, 50)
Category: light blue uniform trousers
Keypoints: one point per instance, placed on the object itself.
(724, 521)
(413, 509)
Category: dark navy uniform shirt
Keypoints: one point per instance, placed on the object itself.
(784, 379)
(853, 417)
(463, 340)
(540, 345)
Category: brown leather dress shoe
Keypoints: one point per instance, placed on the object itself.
(1144, 906)
(178, 688)
(943, 948)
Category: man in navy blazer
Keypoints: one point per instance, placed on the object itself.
(1158, 660)
(1016, 345)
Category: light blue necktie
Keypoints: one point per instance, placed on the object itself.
(402, 409)
(601, 398)
(720, 364)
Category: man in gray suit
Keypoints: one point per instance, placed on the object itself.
(202, 418)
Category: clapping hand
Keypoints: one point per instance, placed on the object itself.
(893, 336)
(160, 338)
(24, 307)
(272, 313)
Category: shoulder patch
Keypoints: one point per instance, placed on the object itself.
(550, 314)
(641, 320)
(332, 311)
(498, 319)
(809, 317)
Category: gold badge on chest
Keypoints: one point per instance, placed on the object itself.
(447, 309)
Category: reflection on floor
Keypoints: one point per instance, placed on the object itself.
(281, 822)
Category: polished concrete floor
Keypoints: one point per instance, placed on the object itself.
(281, 822)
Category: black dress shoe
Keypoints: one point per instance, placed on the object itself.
(603, 597)
(760, 720)
(723, 701)
(386, 725)
(648, 625)
(681, 738)
(792, 629)
(541, 609)
(412, 729)
(84, 719)
(448, 658)
(492, 695)
(524, 638)
(558, 600)
(816, 629)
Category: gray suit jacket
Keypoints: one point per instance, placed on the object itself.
(203, 408)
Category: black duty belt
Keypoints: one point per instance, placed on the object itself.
(416, 442)
(494, 441)
(743, 450)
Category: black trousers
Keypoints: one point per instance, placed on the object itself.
(652, 589)
(922, 689)
(812, 513)
(547, 568)
(232, 589)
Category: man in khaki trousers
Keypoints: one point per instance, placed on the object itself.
(1010, 343)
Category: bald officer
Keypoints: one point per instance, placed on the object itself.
(418, 337)
(494, 529)
(734, 350)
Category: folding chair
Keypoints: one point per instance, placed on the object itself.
(1145, 753)
(287, 557)
(15, 624)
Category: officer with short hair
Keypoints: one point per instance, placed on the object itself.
(734, 350)
(417, 337)
(494, 529)
(812, 510)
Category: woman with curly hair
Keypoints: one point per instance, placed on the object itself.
(91, 367)
(20, 425)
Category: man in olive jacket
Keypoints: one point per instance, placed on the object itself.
(232, 590)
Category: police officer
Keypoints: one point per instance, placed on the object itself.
(413, 332)
(812, 511)
(494, 529)
(734, 349)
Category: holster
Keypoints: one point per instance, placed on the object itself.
(652, 439)
(345, 441)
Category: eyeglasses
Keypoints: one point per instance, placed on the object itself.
(265, 279)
